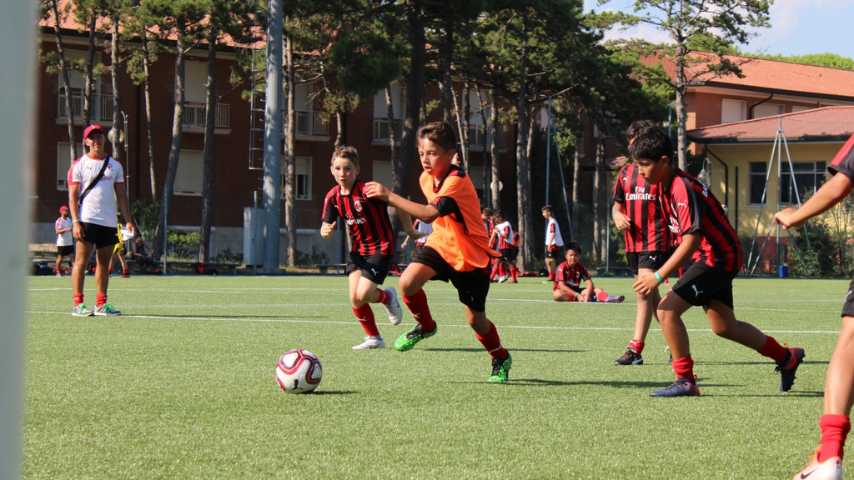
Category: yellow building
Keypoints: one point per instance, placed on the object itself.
(739, 156)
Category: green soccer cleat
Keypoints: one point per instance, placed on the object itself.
(81, 310)
(106, 310)
(501, 370)
(408, 340)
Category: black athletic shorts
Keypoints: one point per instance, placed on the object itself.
(509, 254)
(556, 254)
(375, 267)
(472, 287)
(650, 260)
(100, 235)
(701, 284)
(848, 306)
(64, 250)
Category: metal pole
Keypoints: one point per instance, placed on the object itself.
(273, 139)
(17, 45)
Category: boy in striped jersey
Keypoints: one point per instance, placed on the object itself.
(371, 243)
(638, 214)
(706, 236)
(826, 463)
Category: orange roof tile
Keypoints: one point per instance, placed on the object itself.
(817, 124)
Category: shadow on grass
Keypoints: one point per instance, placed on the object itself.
(333, 392)
(480, 350)
(762, 362)
(808, 394)
(539, 382)
(225, 316)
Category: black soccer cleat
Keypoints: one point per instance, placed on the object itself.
(788, 367)
(631, 357)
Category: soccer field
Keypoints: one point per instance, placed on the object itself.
(183, 386)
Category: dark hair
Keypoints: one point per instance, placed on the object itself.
(498, 214)
(348, 152)
(636, 126)
(487, 211)
(575, 247)
(439, 133)
(546, 207)
(651, 143)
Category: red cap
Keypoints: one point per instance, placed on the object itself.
(63, 208)
(95, 127)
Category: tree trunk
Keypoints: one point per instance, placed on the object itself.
(175, 145)
(66, 83)
(461, 131)
(152, 173)
(486, 158)
(392, 138)
(446, 55)
(523, 167)
(598, 238)
(208, 153)
(414, 94)
(681, 108)
(88, 78)
(339, 128)
(116, 141)
(576, 177)
(495, 165)
(290, 159)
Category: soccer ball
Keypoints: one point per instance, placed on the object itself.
(298, 371)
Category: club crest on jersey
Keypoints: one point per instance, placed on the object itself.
(357, 204)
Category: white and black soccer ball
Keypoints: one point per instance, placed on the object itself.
(298, 371)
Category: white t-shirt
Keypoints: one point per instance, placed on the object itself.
(99, 206)
(505, 235)
(553, 236)
(63, 239)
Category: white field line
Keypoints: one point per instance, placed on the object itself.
(455, 325)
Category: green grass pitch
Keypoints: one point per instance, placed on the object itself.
(182, 386)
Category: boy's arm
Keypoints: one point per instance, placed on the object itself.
(831, 193)
(649, 282)
(425, 213)
(124, 208)
(618, 213)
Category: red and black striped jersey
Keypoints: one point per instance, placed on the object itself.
(571, 276)
(367, 219)
(843, 161)
(504, 233)
(648, 230)
(691, 208)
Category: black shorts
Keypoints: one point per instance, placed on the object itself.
(375, 267)
(701, 284)
(848, 306)
(65, 250)
(100, 235)
(509, 254)
(650, 260)
(556, 254)
(472, 287)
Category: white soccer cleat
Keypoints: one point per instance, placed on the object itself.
(830, 469)
(395, 312)
(370, 343)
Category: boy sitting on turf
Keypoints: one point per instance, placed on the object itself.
(707, 237)
(826, 463)
(569, 276)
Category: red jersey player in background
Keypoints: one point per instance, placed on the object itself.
(371, 243)
(503, 236)
(572, 282)
(707, 237)
(826, 463)
(456, 251)
(638, 213)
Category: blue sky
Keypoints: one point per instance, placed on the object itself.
(797, 27)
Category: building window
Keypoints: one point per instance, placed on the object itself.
(733, 110)
(757, 182)
(768, 110)
(63, 163)
(302, 166)
(808, 177)
(188, 178)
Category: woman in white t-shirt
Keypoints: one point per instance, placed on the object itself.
(64, 241)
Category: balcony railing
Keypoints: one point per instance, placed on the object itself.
(194, 115)
(381, 129)
(311, 124)
(102, 109)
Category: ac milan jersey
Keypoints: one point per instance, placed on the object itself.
(367, 219)
(843, 161)
(648, 230)
(504, 232)
(692, 208)
(571, 276)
